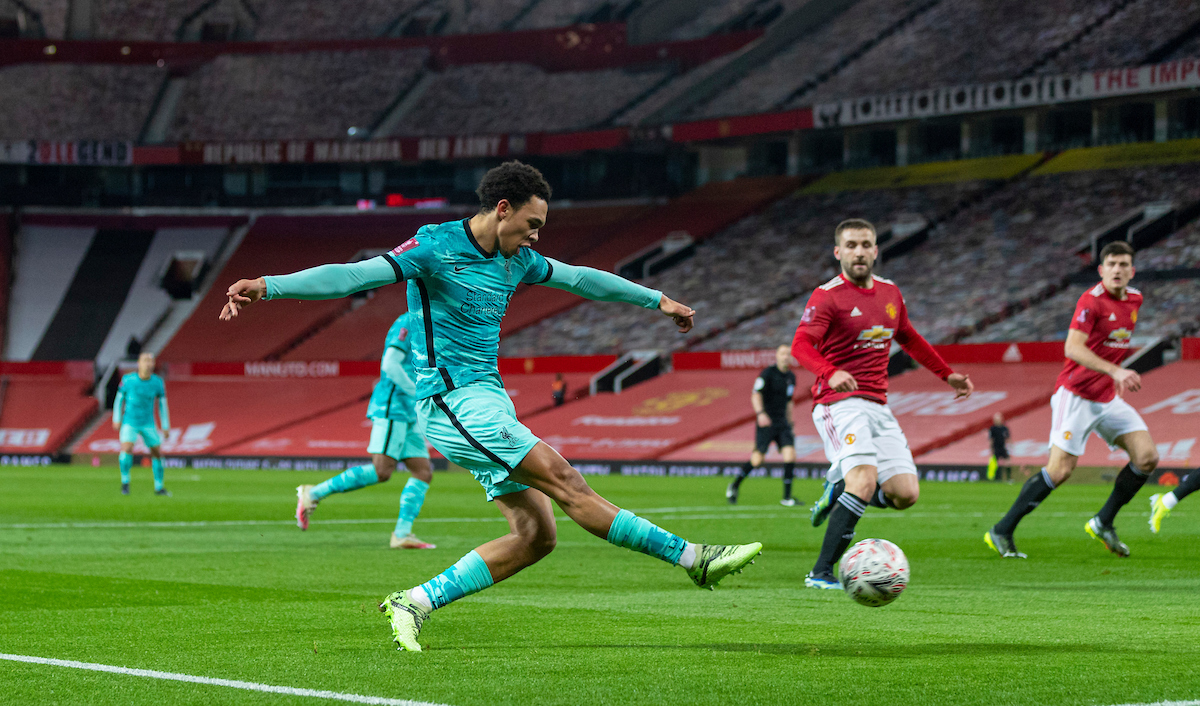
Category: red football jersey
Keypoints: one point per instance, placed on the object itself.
(1108, 323)
(852, 329)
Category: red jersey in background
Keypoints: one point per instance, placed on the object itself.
(846, 327)
(1108, 323)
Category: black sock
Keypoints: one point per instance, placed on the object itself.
(880, 499)
(840, 531)
(1190, 483)
(789, 471)
(1035, 490)
(1129, 482)
(741, 476)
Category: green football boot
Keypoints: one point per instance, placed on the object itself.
(1108, 535)
(406, 616)
(716, 561)
(1158, 512)
(824, 504)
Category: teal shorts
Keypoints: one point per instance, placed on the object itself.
(396, 440)
(476, 427)
(149, 433)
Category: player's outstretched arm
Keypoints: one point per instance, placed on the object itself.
(324, 282)
(1077, 350)
(915, 345)
(602, 286)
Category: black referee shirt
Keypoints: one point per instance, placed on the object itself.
(777, 388)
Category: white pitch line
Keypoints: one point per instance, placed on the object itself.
(1167, 703)
(698, 513)
(212, 681)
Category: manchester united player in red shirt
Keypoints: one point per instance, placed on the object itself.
(1089, 399)
(844, 339)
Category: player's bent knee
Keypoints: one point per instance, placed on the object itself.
(1147, 462)
(905, 499)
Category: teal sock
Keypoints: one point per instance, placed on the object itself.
(469, 575)
(632, 532)
(126, 461)
(411, 501)
(157, 466)
(347, 480)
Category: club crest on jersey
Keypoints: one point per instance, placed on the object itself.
(849, 438)
(1133, 316)
(891, 310)
(876, 337)
(405, 246)
(1067, 435)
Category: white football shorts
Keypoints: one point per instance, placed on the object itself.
(858, 432)
(1075, 418)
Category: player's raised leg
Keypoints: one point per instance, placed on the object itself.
(156, 467)
(353, 478)
(1161, 505)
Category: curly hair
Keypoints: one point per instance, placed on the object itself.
(513, 181)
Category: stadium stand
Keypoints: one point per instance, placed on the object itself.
(770, 86)
(323, 19)
(213, 414)
(1017, 35)
(292, 96)
(699, 214)
(40, 413)
(924, 406)
(1132, 37)
(1003, 252)
(737, 273)
(1180, 249)
(467, 99)
(53, 16)
(74, 101)
(277, 244)
(139, 20)
(542, 14)
(87, 284)
(1169, 402)
(732, 15)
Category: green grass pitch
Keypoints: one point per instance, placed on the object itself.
(250, 597)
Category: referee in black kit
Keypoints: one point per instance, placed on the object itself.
(772, 402)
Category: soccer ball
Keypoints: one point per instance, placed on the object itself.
(874, 572)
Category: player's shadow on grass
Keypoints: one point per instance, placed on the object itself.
(900, 651)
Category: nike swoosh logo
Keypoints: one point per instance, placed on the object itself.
(460, 268)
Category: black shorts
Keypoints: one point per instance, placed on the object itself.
(781, 434)
(1001, 455)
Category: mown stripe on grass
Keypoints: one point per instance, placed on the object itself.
(212, 681)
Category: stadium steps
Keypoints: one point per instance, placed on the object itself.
(178, 313)
(782, 33)
(1169, 47)
(162, 111)
(1092, 26)
(95, 296)
(401, 105)
(845, 61)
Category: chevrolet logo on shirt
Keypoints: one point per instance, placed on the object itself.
(1119, 338)
(876, 334)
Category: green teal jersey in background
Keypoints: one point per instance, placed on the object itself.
(136, 399)
(388, 400)
(457, 294)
